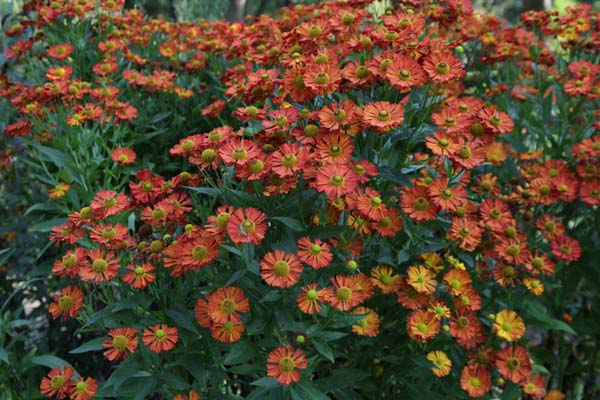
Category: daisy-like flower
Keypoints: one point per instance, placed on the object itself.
(58, 382)
(465, 328)
(123, 156)
(468, 154)
(102, 267)
(247, 225)
(160, 337)
(534, 386)
(346, 293)
(335, 148)
(443, 67)
(109, 202)
(310, 298)
(441, 143)
(225, 303)
(66, 233)
(67, 304)
(513, 363)
(405, 73)
(384, 279)
(496, 121)
(280, 269)
(371, 205)
(229, 332)
(70, 263)
(335, 181)
(534, 285)
(509, 326)
(60, 51)
(83, 389)
(139, 276)
(383, 115)
(475, 380)
(417, 204)
(314, 253)
(369, 325)
(192, 254)
(59, 190)
(238, 152)
(458, 281)
(109, 235)
(466, 233)
(323, 78)
(441, 363)
(289, 160)
(445, 197)
(420, 278)
(120, 343)
(566, 249)
(284, 364)
(422, 325)
(339, 116)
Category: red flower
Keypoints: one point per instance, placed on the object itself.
(443, 67)
(513, 363)
(382, 115)
(566, 249)
(123, 155)
(247, 225)
(160, 337)
(140, 275)
(314, 253)
(335, 181)
(67, 304)
(58, 382)
(120, 343)
(283, 364)
(475, 380)
(280, 269)
(60, 51)
(83, 389)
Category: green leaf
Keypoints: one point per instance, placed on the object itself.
(341, 378)
(3, 355)
(205, 190)
(92, 345)
(182, 317)
(291, 223)
(5, 255)
(543, 319)
(265, 382)
(324, 349)
(47, 226)
(240, 352)
(306, 391)
(50, 361)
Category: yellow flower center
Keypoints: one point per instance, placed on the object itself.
(222, 219)
(289, 160)
(420, 204)
(474, 382)
(120, 342)
(343, 293)
(513, 250)
(315, 250)
(281, 268)
(70, 260)
(361, 72)
(109, 233)
(337, 181)
(312, 294)
(422, 327)
(287, 364)
(311, 131)
(65, 303)
(139, 271)
(383, 116)
(442, 68)
(239, 154)
(339, 115)
(228, 306)
(256, 166)
(160, 334)
(465, 152)
(376, 201)
(81, 386)
(199, 253)
(99, 265)
(110, 202)
(322, 78)
(248, 226)
(57, 382)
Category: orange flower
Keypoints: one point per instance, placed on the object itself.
(60, 51)
(443, 67)
(70, 264)
(102, 267)
(225, 303)
(534, 386)
(566, 249)
(384, 279)
(314, 253)
(109, 235)
(339, 116)
(160, 337)
(335, 148)
(466, 233)
(421, 279)
(475, 380)
(247, 225)
(513, 363)
(458, 281)
(422, 325)
(67, 304)
(323, 78)
(83, 389)
(445, 197)
(441, 363)
(335, 181)
(108, 202)
(346, 293)
(59, 190)
(192, 395)
(58, 382)
(121, 343)
(509, 326)
(405, 73)
(289, 160)
(283, 364)
(191, 254)
(417, 204)
(466, 328)
(310, 298)
(228, 332)
(369, 325)
(123, 155)
(280, 269)
(140, 275)
(383, 115)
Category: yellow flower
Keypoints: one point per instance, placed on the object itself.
(421, 280)
(509, 326)
(441, 363)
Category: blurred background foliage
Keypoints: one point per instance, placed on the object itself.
(235, 10)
